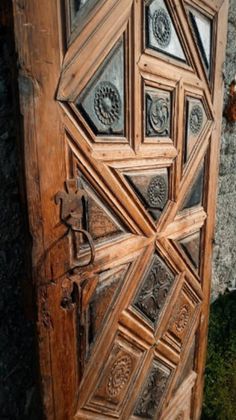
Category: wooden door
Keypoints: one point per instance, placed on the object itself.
(121, 103)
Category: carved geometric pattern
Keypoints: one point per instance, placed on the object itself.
(202, 30)
(118, 372)
(102, 101)
(107, 103)
(152, 394)
(119, 375)
(151, 189)
(161, 34)
(157, 113)
(195, 121)
(195, 196)
(157, 192)
(181, 319)
(161, 27)
(154, 290)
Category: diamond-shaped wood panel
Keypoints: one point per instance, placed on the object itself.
(194, 197)
(183, 314)
(153, 391)
(154, 289)
(118, 373)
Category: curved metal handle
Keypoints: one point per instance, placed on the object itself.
(72, 210)
(91, 246)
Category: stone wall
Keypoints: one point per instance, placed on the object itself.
(224, 266)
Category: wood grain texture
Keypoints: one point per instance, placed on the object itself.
(115, 333)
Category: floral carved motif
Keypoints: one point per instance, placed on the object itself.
(107, 103)
(161, 27)
(157, 193)
(154, 290)
(196, 119)
(152, 393)
(182, 318)
(119, 376)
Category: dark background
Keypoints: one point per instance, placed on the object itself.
(17, 350)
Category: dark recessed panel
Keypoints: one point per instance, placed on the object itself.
(184, 313)
(195, 122)
(155, 387)
(151, 189)
(161, 34)
(158, 113)
(98, 219)
(154, 290)
(92, 319)
(195, 196)
(202, 31)
(188, 366)
(117, 375)
(102, 101)
(80, 11)
(191, 246)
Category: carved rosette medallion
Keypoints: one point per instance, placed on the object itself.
(161, 27)
(153, 391)
(154, 290)
(119, 375)
(159, 116)
(107, 103)
(157, 192)
(195, 119)
(182, 318)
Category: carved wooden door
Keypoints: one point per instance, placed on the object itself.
(121, 102)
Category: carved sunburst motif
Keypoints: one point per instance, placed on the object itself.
(107, 103)
(119, 375)
(196, 119)
(161, 27)
(157, 193)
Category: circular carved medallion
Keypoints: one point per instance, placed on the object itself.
(161, 27)
(157, 192)
(196, 119)
(182, 318)
(119, 376)
(107, 103)
(159, 116)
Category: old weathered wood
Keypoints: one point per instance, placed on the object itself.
(122, 112)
